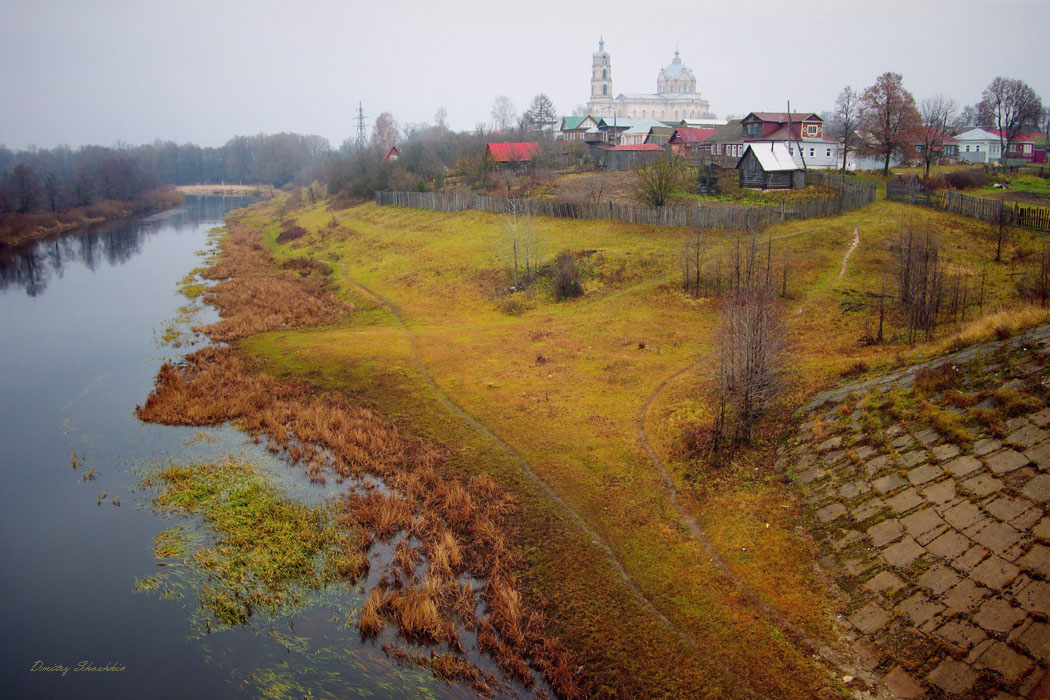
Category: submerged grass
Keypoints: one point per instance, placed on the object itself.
(265, 548)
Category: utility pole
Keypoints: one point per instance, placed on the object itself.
(360, 119)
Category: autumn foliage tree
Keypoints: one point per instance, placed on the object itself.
(890, 118)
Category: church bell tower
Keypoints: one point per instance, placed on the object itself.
(601, 74)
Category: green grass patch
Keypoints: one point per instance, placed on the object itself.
(265, 550)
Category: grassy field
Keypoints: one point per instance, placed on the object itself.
(570, 388)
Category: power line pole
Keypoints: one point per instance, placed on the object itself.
(360, 119)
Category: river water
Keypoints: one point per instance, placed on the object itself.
(82, 317)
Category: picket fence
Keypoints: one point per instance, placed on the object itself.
(730, 217)
(983, 208)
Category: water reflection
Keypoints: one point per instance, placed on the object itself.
(35, 266)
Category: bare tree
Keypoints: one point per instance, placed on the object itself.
(692, 258)
(503, 114)
(751, 344)
(968, 117)
(520, 240)
(1044, 126)
(661, 181)
(920, 280)
(846, 120)
(888, 113)
(1035, 286)
(385, 133)
(441, 119)
(1013, 106)
(937, 113)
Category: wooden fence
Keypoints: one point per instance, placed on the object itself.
(983, 208)
(729, 217)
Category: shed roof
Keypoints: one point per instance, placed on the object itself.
(513, 152)
(773, 159)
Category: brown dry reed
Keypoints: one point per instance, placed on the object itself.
(462, 529)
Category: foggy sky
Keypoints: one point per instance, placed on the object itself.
(96, 71)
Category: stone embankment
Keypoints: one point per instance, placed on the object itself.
(928, 494)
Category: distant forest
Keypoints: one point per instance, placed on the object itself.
(52, 180)
(45, 181)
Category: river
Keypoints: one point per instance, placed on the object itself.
(82, 318)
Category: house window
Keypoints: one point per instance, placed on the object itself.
(967, 148)
(811, 152)
(605, 74)
(977, 147)
(829, 153)
(812, 129)
(605, 89)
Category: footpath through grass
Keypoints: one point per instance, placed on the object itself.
(564, 383)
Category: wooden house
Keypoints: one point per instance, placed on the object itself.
(770, 166)
(512, 154)
(573, 128)
(392, 154)
(687, 140)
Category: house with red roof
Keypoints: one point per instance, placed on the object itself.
(392, 154)
(513, 153)
(687, 140)
(802, 133)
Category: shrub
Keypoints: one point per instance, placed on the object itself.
(566, 277)
(290, 234)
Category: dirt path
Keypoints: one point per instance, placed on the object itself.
(792, 631)
(525, 467)
(853, 247)
(842, 270)
(779, 620)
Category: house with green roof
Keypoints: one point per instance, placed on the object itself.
(573, 128)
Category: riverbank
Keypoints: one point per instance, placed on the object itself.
(17, 230)
(451, 535)
(643, 553)
(222, 189)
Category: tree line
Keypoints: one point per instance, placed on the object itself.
(886, 121)
(36, 181)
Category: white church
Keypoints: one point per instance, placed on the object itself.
(675, 98)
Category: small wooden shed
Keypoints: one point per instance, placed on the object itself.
(770, 166)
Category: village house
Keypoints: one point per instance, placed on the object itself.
(573, 128)
(660, 135)
(688, 140)
(978, 146)
(392, 154)
(512, 154)
(726, 142)
(803, 131)
(770, 165)
(942, 144)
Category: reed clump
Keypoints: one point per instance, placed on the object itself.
(255, 295)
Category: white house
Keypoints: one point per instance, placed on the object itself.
(978, 146)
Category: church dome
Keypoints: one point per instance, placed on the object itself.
(676, 70)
